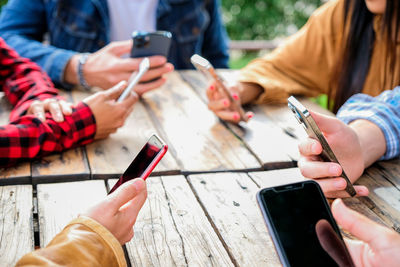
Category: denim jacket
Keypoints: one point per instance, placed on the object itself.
(72, 26)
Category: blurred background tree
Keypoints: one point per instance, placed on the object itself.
(265, 19)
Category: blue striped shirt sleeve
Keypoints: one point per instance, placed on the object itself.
(383, 110)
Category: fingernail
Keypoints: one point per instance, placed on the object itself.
(250, 115)
(334, 170)
(226, 103)
(236, 116)
(212, 88)
(341, 184)
(235, 96)
(138, 184)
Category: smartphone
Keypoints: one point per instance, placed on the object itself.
(205, 67)
(147, 44)
(303, 116)
(145, 161)
(301, 225)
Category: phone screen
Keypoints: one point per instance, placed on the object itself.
(142, 161)
(304, 231)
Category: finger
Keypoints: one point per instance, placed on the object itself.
(132, 64)
(142, 88)
(325, 123)
(359, 225)
(66, 107)
(332, 184)
(55, 110)
(154, 73)
(125, 193)
(115, 91)
(310, 147)
(120, 48)
(212, 91)
(318, 169)
(129, 101)
(131, 210)
(219, 105)
(37, 109)
(361, 191)
(231, 116)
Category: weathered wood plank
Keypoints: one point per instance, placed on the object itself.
(391, 170)
(197, 139)
(280, 177)
(20, 174)
(230, 201)
(172, 229)
(59, 203)
(261, 134)
(16, 232)
(384, 197)
(110, 157)
(70, 165)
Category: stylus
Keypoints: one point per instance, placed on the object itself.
(143, 68)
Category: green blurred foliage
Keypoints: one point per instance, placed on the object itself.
(3, 2)
(265, 19)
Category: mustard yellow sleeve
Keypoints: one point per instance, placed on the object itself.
(83, 242)
(304, 63)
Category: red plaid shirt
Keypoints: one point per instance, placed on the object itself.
(26, 137)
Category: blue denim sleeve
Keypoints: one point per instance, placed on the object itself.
(383, 110)
(215, 47)
(22, 26)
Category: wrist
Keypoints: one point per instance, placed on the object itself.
(249, 92)
(71, 74)
(372, 140)
(80, 70)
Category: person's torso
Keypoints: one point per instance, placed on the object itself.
(84, 26)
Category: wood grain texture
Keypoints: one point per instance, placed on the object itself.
(384, 197)
(16, 231)
(230, 201)
(110, 157)
(59, 203)
(196, 137)
(272, 146)
(172, 229)
(391, 171)
(293, 175)
(21, 173)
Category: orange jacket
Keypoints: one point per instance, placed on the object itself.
(305, 63)
(83, 242)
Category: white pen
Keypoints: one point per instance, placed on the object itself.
(143, 68)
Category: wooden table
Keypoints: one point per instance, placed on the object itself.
(201, 208)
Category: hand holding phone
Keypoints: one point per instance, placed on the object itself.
(145, 161)
(205, 67)
(301, 225)
(304, 117)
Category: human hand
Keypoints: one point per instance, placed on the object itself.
(221, 105)
(119, 210)
(345, 144)
(109, 114)
(105, 68)
(377, 245)
(57, 108)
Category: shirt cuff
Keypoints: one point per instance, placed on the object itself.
(83, 124)
(56, 64)
(366, 108)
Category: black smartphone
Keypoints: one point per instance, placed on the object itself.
(145, 161)
(301, 225)
(147, 44)
(303, 116)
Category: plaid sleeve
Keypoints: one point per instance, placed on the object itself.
(22, 81)
(28, 137)
(383, 110)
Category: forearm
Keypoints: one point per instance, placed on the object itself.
(372, 140)
(82, 242)
(28, 137)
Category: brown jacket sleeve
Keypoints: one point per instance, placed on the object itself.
(83, 242)
(304, 63)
